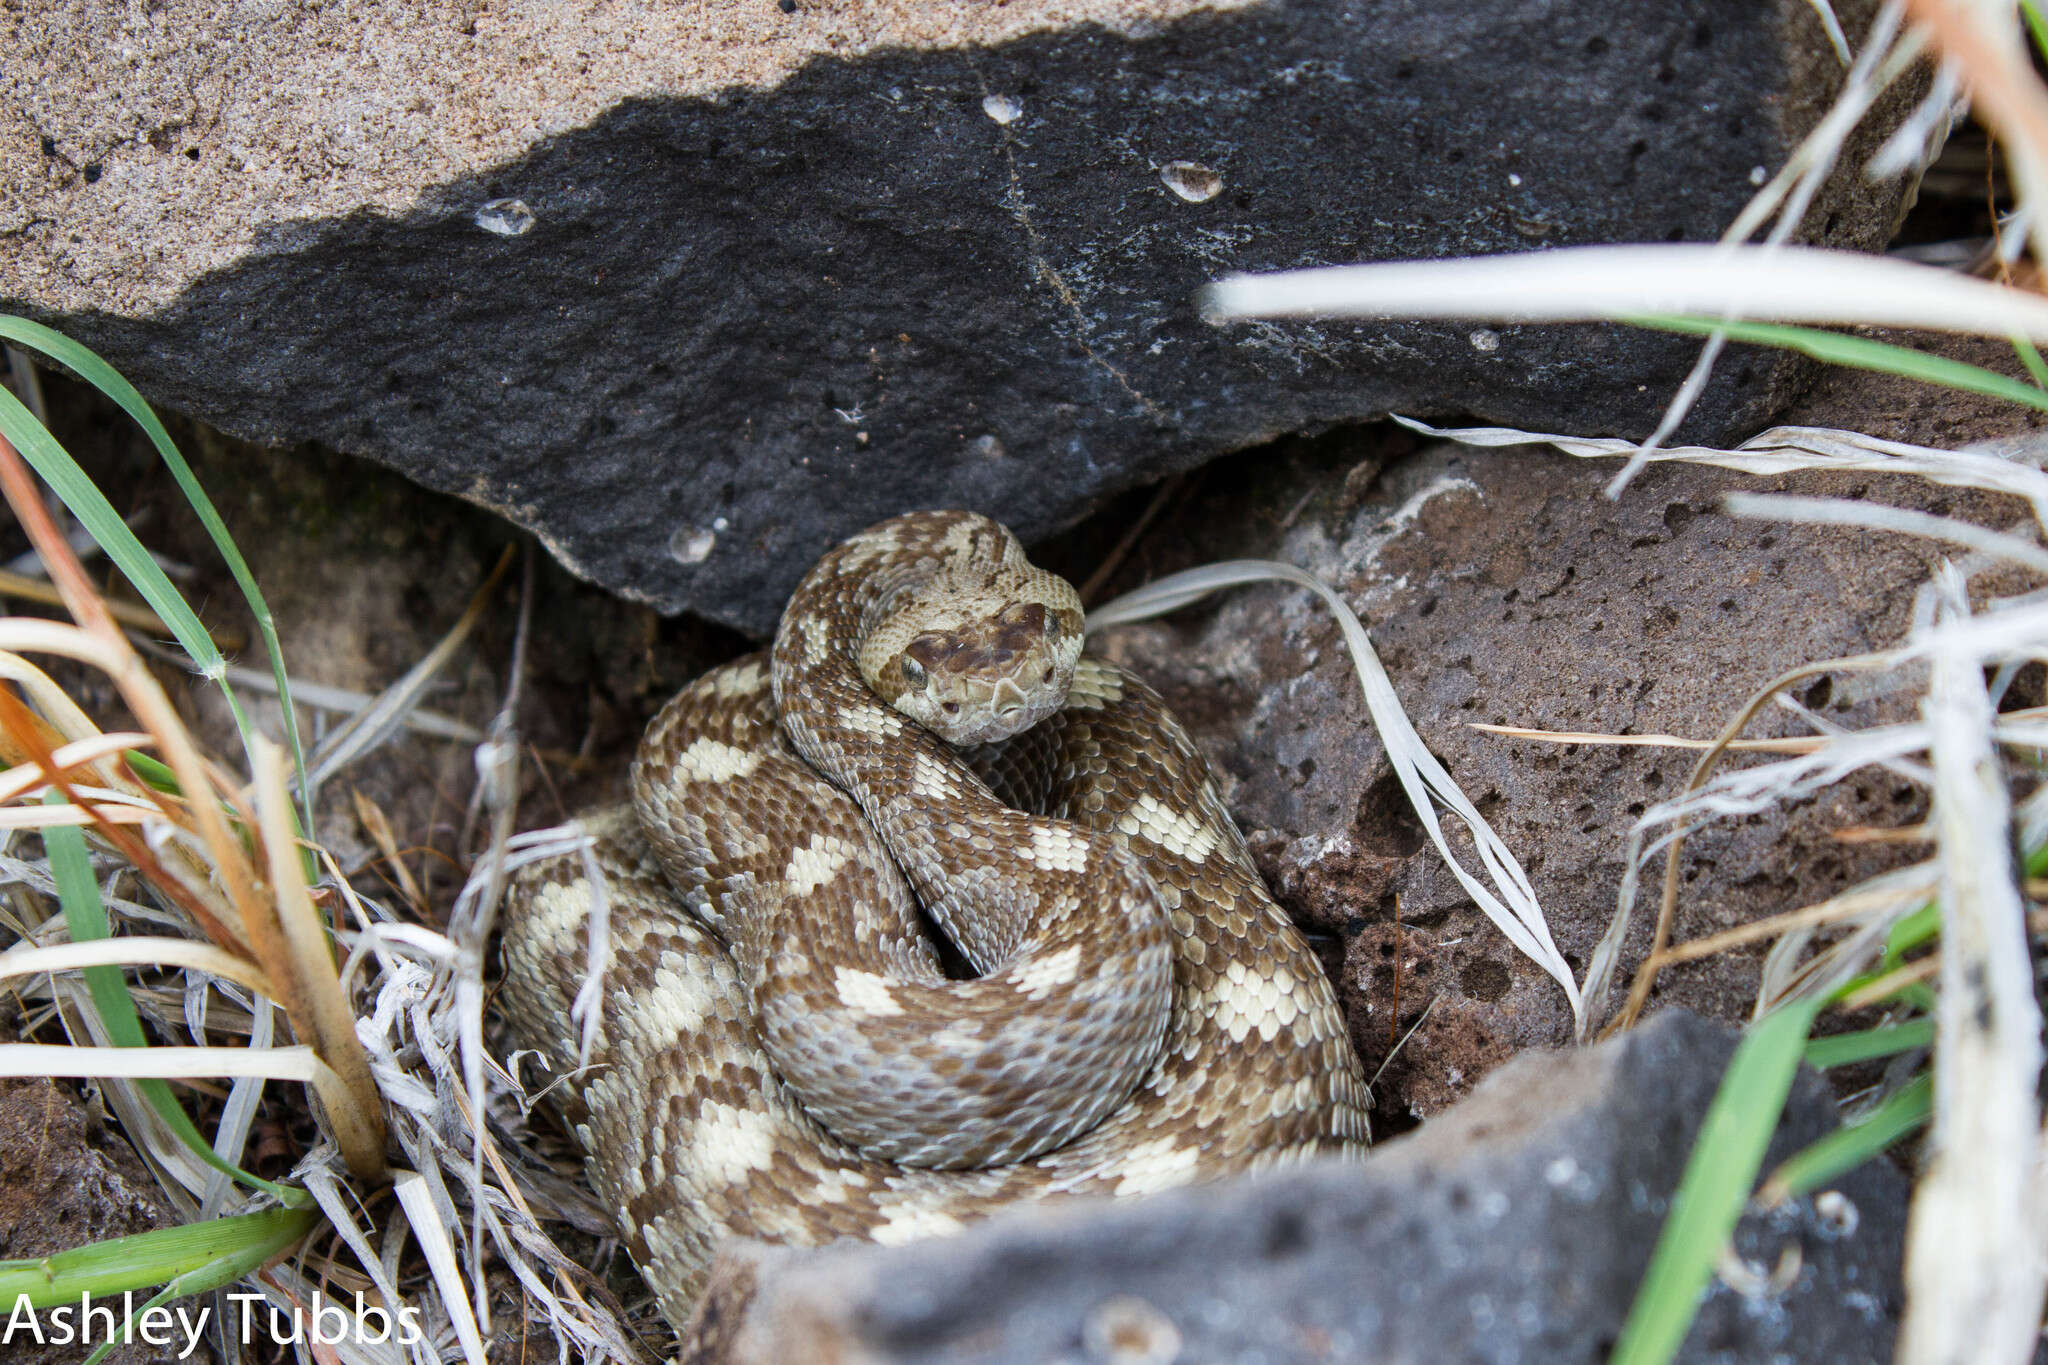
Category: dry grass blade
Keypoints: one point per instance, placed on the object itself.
(1740, 746)
(110, 651)
(310, 990)
(371, 727)
(1620, 283)
(1975, 1270)
(164, 1063)
(1600, 971)
(1984, 39)
(131, 950)
(1510, 901)
(1877, 517)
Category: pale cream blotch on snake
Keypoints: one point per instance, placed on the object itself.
(783, 1054)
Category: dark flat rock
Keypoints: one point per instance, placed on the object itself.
(720, 330)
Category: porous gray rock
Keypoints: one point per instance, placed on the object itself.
(1502, 587)
(694, 294)
(1514, 1228)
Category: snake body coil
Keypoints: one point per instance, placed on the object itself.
(783, 1054)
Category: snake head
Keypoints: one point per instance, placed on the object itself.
(989, 677)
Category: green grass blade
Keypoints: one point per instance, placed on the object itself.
(1847, 1148)
(156, 774)
(2030, 356)
(85, 915)
(97, 372)
(147, 1258)
(1717, 1182)
(1909, 933)
(2036, 26)
(1860, 353)
(263, 1246)
(1843, 1048)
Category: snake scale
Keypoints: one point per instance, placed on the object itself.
(784, 1053)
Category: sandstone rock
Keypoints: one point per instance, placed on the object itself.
(694, 293)
(1514, 1228)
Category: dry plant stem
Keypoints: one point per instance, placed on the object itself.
(309, 987)
(1807, 745)
(130, 950)
(512, 1190)
(127, 613)
(1975, 1263)
(1824, 912)
(1667, 909)
(1986, 42)
(216, 921)
(1891, 983)
(124, 667)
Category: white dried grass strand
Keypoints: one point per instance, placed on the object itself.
(129, 951)
(588, 1007)
(1515, 910)
(179, 1173)
(1914, 144)
(1794, 284)
(1832, 26)
(1748, 791)
(1895, 895)
(1877, 516)
(1975, 1269)
(416, 1196)
(371, 727)
(337, 1202)
(320, 696)
(1791, 449)
(238, 1115)
(295, 1063)
(287, 1292)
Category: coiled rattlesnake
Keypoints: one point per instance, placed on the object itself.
(782, 1054)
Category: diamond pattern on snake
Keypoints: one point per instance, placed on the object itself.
(783, 1054)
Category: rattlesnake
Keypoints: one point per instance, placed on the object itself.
(782, 1055)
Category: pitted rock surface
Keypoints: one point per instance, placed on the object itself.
(1503, 587)
(695, 297)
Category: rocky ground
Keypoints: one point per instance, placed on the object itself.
(1500, 586)
(555, 300)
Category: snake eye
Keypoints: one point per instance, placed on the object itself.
(913, 672)
(1048, 674)
(951, 708)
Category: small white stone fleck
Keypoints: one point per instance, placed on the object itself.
(989, 447)
(1002, 108)
(1836, 1210)
(1757, 175)
(1126, 1330)
(1485, 340)
(1191, 180)
(720, 524)
(505, 217)
(692, 544)
(1561, 1171)
(1513, 178)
